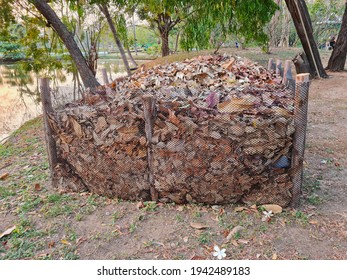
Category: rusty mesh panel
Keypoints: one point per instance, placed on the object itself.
(238, 151)
(209, 144)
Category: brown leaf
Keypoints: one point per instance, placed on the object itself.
(51, 244)
(76, 127)
(173, 118)
(37, 187)
(4, 176)
(235, 105)
(228, 65)
(198, 258)
(7, 232)
(276, 209)
(240, 209)
(198, 225)
(233, 232)
(140, 205)
(234, 242)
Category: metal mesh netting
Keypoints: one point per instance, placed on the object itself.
(181, 144)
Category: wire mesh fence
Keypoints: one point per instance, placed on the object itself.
(186, 145)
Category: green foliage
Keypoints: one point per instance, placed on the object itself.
(326, 18)
(206, 23)
(244, 18)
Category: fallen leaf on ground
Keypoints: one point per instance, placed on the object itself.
(234, 242)
(240, 209)
(4, 176)
(198, 258)
(8, 231)
(198, 225)
(233, 232)
(276, 209)
(51, 244)
(313, 222)
(243, 241)
(65, 242)
(185, 239)
(140, 205)
(37, 187)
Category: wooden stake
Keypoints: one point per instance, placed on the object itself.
(104, 76)
(150, 112)
(279, 69)
(271, 66)
(300, 123)
(287, 72)
(50, 142)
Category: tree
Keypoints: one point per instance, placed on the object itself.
(338, 57)
(201, 20)
(163, 15)
(104, 9)
(53, 20)
(303, 26)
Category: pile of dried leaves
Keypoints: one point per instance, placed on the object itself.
(212, 130)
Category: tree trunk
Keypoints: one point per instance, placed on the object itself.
(86, 74)
(131, 57)
(177, 40)
(303, 26)
(164, 34)
(104, 9)
(273, 25)
(284, 41)
(338, 57)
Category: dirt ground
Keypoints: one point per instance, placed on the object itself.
(52, 225)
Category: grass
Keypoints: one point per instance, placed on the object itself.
(204, 238)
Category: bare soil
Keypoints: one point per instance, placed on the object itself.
(86, 226)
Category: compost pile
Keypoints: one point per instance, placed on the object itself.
(216, 129)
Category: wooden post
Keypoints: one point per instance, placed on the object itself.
(271, 66)
(104, 76)
(50, 142)
(279, 69)
(300, 123)
(150, 111)
(287, 72)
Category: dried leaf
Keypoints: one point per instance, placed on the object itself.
(233, 232)
(185, 239)
(198, 258)
(243, 241)
(228, 65)
(4, 176)
(37, 187)
(173, 118)
(234, 242)
(7, 232)
(140, 205)
(76, 127)
(240, 209)
(212, 99)
(198, 225)
(276, 209)
(65, 242)
(235, 105)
